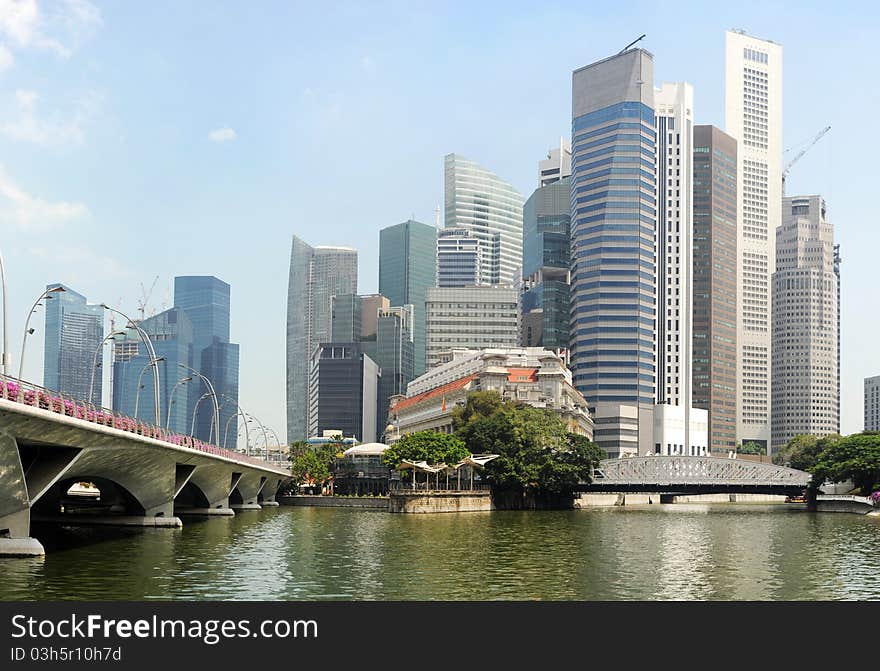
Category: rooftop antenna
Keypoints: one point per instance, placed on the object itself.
(437, 217)
(632, 43)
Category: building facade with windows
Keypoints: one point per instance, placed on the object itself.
(407, 267)
(490, 208)
(316, 275)
(459, 258)
(753, 117)
(613, 221)
(546, 266)
(714, 284)
(394, 356)
(470, 318)
(872, 403)
(806, 326)
(74, 331)
(557, 165)
(531, 375)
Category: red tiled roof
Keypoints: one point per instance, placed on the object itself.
(522, 375)
(461, 383)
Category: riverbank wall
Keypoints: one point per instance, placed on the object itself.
(379, 503)
(445, 502)
(600, 500)
(845, 506)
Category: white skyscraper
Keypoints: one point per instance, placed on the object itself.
(753, 117)
(806, 394)
(678, 428)
(478, 200)
(557, 165)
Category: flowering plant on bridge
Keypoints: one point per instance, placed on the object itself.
(875, 499)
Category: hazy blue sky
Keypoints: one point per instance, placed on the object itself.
(170, 138)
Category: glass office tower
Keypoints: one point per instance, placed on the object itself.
(74, 331)
(406, 269)
(206, 301)
(613, 222)
(394, 356)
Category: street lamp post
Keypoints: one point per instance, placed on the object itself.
(137, 397)
(95, 360)
(265, 436)
(213, 394)
(241, 413)
(192, 429)
(181, 381)
(152, 352)
(47, 294)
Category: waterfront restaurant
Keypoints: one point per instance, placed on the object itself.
(360, 471)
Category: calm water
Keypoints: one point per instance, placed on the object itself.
(651, 552)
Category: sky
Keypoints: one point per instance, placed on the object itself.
(148, 140)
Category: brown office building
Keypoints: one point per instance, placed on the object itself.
(714, 284)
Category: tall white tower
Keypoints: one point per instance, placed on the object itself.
(753, 116)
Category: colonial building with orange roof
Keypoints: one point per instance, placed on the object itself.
(531, 375)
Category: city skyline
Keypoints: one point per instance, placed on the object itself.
(252, 264)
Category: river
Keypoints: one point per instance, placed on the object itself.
(680, 551)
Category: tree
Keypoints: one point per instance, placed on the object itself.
(802, 452)
(855, 457)
(310, 468)
(752, 447)
(430, 446)
(539, 462)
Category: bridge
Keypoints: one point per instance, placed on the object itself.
(695, 475)
(145, 475)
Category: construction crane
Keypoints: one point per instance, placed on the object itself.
(801, 153)
(145, 297)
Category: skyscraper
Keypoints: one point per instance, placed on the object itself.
(459, 258)
(345, 323)
(872, 403)
(74, 330)
(206, 301)
(470, 318)
(714, 284)
(394, 356)
(491, 209)
(753, 117)
(171, 334)
(805, 324)
(407, 268)
(546, 260)
(316, 274)
(557, 165)
(613, 221)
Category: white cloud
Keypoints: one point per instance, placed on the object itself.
(72, 260)
(53, 130)
(62, 29)
(222, 135)
(30, 213)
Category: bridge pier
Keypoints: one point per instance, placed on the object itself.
(15, 509)
(246, 491)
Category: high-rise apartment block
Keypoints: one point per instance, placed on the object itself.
(74, 331)
(753, 117)
(613, 220)
(546, 266)
(470, 318)
(714, 284)
(407, 267)
(316, 275)
(872, 403)
(490, 208)
(805, 391)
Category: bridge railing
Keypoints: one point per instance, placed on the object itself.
(27, 393)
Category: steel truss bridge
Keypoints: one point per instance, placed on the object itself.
(695, 475)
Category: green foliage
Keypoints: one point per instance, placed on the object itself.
(537, 456)
(310, 468)
(429, 446)
(856, 458)
(752, 447)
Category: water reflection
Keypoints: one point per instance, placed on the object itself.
(683, 552)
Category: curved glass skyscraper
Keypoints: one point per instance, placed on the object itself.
(478, 200)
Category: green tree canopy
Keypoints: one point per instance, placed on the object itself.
(310, 468)
(855, 457)
(537, 455)
(752, 447)
(430, 446)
